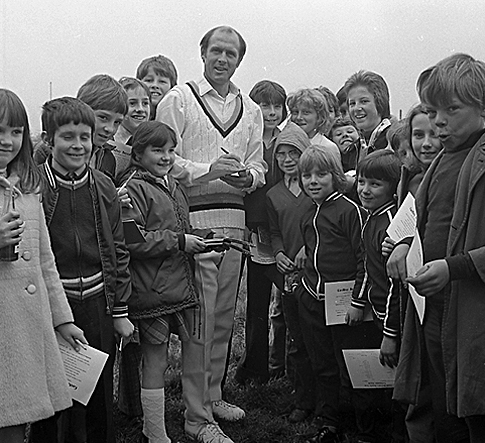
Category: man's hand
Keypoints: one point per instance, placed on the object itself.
(225, 165)
(194, 244)
(431, 278)
(396, 265)
(240, 180)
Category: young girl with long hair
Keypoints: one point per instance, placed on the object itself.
(33, 385)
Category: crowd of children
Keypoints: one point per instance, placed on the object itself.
(339, 166)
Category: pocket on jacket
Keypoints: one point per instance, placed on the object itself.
(163, 273)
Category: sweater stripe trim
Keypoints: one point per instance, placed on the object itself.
(82, 288)
(224, 128)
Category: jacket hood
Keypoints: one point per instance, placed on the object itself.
(294, 136)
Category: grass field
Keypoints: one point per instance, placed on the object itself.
(267, 406)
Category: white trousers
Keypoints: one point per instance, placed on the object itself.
(204, 357)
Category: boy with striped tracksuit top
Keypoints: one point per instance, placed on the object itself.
(331, 233)
(378, 176)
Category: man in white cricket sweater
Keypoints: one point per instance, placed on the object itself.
(220, 158)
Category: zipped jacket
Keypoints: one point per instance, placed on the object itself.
(109, 230)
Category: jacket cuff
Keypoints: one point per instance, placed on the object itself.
(391, 333)
(357, 303)
(181, 242)
(461, 266)
(120, 310)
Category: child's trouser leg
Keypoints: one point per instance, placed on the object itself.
(153, 403)
(196, 371)
(476, 427)
(319, 342)
(254, 362)
(448, 428)
(299, 367)
(44, 430)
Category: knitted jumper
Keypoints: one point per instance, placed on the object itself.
(214, 204)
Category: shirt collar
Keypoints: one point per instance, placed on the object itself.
(205, 87)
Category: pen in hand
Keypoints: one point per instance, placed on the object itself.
(123, 186)
(80, 343)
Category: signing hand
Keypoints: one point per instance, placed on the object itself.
(224, 165)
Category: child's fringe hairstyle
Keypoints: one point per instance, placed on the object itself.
(323, 160)
(311, 98)
(161, 65)
(204, 43)
(341, 122)
(384, 165)
(332, 100)
(458, 75)
(13, 113)
(411, 161)
(62, 111)
(269, 92)
(376, 85)
(150, 133)
(130, 83)
(103, 92)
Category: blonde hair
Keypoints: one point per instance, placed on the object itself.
(324, 160)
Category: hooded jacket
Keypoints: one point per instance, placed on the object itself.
(284, 208)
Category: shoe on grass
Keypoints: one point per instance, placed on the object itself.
(325, 435)
(211, 433)
(298, 415)
(225, 411)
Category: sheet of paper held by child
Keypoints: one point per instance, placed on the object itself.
(338, 296)
(82, 369)
(366, 371)
(403, 224)
(414, 262)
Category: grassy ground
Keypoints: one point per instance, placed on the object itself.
(266, 406)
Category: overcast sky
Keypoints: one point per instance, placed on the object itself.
(296, 43)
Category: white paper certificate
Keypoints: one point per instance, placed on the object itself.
(403, 224)
(414, 262)
(366, 371)
(82, 369)
(338, 297)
